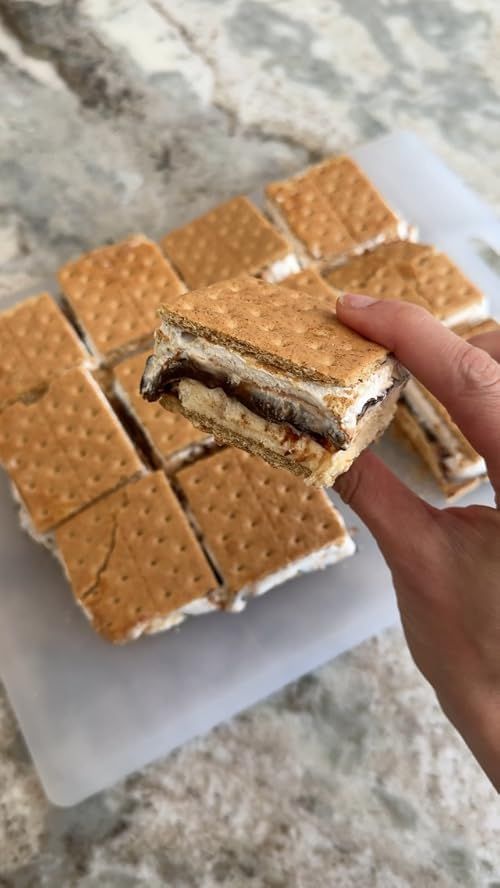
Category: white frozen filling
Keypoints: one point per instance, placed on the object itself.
(456, 465)
(477, 311)
(195, 608)
(281, 269)
(188, 454)
(312, 398)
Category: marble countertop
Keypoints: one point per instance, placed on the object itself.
(122, 115)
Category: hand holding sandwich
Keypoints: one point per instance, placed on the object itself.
(445, 564)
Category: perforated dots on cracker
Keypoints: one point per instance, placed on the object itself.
(64, 450)
(332, 210)
(36, 344)
(171, 438)
(114, 293)
(310, 281)
(232, 239)
(355, 273)
(134, 563)
(451, 296)
(260, 524)
(387, 283)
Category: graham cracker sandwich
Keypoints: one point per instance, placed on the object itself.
(234, 238)
(134, 563)
(64, 450)
(36, 343)
(450, 295)
(273, 371)
(417, 273)
(113, 293)
(332, 211)
(170, 439)
(429, 428)
(260, 525)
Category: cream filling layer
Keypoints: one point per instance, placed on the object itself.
(195, 608)
(477, 311)
(281, 269)
(457, 466)
(212, 358)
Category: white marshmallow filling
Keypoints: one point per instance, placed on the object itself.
(472, 313)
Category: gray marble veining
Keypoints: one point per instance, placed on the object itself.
(123, 115)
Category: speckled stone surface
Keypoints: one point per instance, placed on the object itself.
(122, 115)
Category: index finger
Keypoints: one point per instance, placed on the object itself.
(464, 378)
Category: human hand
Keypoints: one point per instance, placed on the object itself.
(445, 564)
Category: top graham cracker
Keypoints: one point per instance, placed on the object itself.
(357, 271)
(233, 238)
(36, 344)
(65, 450)
(479, 328)
(442, 284)
(255, 519)
(332, 208)
(114, 293)
(133, 559)
(168, 432)
(293, 331)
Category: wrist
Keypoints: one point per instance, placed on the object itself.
(479, 726)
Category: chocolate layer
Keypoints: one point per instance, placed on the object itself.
(298, 416)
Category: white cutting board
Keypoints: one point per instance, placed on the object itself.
(92, 713)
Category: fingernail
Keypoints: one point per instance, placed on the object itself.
(356, 300)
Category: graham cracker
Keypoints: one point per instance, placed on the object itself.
(388, 284)
(170, 436)
(310, 281)
(254, 519)
(65, 450)
(443, 285)
(291, 330)
(310, 218)
(114, 293)
(36, 344)
(231, 239)
(406, 424)
(469, 331)
(358, 270)
(333, 209)
(133, 560)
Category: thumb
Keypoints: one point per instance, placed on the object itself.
(397, 518)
